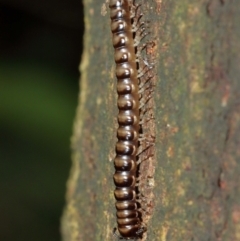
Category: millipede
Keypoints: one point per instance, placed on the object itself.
(126, 34)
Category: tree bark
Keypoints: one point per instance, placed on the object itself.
(196, 108)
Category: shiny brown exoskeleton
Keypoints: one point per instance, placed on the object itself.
(128, 217)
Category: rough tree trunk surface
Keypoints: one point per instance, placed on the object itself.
(197, 117)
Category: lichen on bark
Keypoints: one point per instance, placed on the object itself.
(197, 117)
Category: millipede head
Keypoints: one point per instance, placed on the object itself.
(131, 232)
(135, 234)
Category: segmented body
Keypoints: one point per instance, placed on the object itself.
(128, 217)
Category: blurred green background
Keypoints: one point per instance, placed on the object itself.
(40, 49)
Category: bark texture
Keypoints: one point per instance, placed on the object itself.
(197, 117)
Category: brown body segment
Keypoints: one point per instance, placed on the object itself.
(129, 223)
